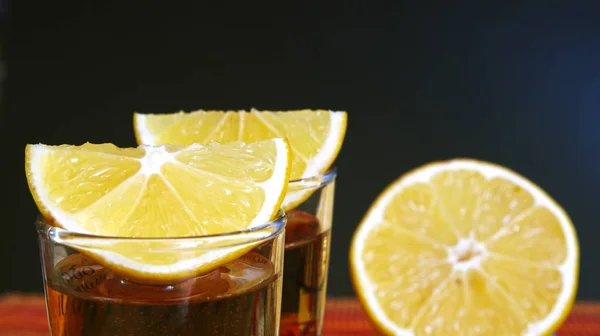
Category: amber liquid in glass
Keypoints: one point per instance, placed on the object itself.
(238, 298)
(304, 275)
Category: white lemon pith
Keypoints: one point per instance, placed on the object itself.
(465, 247)
(159, 192)
(315, 136)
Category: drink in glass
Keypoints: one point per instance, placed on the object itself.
(241, 297)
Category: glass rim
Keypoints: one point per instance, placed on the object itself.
(257, 233)
(315, 181)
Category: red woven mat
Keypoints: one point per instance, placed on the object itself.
(25, 315)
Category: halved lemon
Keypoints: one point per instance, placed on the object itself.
(159, 192)
(315, 136)
(465, 247)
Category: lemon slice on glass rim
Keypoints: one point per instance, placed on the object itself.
(465, 247)
(315, 136)
(153, 193)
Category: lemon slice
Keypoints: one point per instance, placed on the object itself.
(159, 192)
(315, 136)
(465, 247)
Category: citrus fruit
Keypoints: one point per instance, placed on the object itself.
(315, 136)
(465, 247)
(159, 192)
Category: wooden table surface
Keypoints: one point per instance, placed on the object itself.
(25, 315)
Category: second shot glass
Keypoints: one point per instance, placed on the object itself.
(306, 261)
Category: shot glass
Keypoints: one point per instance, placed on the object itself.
(307, 245)
(87, 296)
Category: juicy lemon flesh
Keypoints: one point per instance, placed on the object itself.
(198, 191)
(464, 255)
(306, 130)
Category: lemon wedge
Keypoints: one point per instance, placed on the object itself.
(315, 136)
(159, 192)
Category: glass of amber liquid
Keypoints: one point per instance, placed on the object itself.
(307, 245)
(241, 296)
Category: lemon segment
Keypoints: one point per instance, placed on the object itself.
(159, 192)
(315, 136)
(465, 247)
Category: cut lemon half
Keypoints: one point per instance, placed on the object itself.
(159, 192)
(465, 247)
(315, 136)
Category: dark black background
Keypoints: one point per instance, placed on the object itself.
(509, 82)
